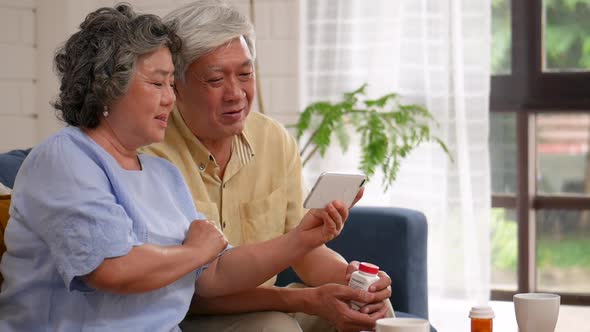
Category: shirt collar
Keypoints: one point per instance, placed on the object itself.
(241, 147)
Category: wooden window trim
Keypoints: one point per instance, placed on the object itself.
(528, 91)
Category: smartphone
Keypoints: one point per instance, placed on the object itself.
(334, 186)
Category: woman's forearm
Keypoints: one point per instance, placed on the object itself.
(144, 268)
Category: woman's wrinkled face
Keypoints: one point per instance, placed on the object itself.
(140, 116)
(217, 93)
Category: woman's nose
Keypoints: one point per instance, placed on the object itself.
(169, 96)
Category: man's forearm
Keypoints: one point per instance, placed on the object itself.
(320, 266)
(247, 266)
(257, 299)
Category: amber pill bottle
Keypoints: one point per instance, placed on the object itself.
(482, 319)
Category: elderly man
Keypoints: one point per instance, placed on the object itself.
(244, 172)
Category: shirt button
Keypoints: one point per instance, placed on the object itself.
(223, 186)
(202, 167)
(223, 225)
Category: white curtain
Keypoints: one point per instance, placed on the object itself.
(435, 53)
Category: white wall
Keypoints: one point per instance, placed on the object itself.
(30, 31)
(18, 73)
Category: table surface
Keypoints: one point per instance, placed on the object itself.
(452, 316)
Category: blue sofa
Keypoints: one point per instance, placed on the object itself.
(9, 165)
(392, 238)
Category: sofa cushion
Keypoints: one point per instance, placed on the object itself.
(4, 205)
(4, 190)
(10, 163)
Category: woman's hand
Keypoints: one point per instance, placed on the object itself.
(148, 267)
(206, 239)
(319, 226)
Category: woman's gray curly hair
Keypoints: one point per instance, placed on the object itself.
(97, 63)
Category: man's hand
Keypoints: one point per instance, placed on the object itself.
(319, 226)
(358, 197)
(381, 289)
(331, 219)
(332, 303)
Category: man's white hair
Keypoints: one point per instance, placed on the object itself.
(205, 25)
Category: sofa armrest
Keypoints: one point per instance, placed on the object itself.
(9, 164)
(393, 238)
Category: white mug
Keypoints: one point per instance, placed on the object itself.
(536, 312)
(402, 325)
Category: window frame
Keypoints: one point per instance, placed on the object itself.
(528, 91)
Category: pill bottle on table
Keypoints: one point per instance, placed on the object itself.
(482, 319)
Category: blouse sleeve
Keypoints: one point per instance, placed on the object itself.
(65, 198)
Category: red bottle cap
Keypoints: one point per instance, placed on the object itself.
(368, 268)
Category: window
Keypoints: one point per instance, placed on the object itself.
(539, 143)
(565, 28)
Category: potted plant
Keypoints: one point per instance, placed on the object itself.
(388, 129)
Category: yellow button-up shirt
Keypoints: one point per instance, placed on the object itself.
(260, 196)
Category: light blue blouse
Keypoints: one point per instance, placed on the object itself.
(72, 207)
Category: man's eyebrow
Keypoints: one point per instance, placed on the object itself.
(247, 63)
(214, 69)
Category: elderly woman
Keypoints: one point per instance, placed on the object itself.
(244, 171)
(103, 239)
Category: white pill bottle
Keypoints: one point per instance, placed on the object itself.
(363, 279)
